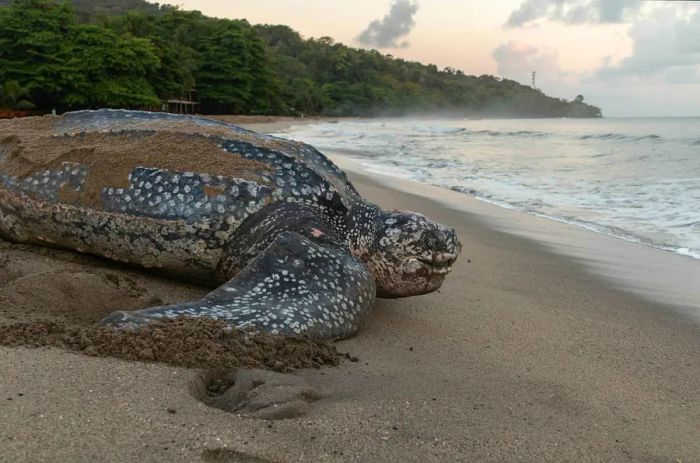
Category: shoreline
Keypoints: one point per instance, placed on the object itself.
(522, 355)
(350, 160)
(652, 273)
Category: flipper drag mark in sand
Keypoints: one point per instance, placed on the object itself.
(293, 245)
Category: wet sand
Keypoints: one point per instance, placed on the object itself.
(523, 355)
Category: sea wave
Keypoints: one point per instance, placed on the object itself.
(610, 136)
(414, 132)
(609, 230)
(517, 133)
(438, 130)
(618, 137)
(635, 180)
(443, 164)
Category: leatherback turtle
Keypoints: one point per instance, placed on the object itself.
(293, 245)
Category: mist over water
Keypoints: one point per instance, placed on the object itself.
(636, 179)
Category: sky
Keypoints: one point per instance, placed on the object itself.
(632, 58)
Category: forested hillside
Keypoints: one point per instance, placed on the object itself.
(92, 10)
(130, 53)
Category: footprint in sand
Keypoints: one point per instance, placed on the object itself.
(255, 393)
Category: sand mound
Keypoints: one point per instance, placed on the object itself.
(53, 298)
(183, 342)
(80, 295)
(39, 283)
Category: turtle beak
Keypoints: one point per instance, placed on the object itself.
(440, 262)
(445, 249)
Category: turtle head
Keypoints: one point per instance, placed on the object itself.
(412, 254)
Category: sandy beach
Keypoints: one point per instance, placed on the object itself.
(523, 355)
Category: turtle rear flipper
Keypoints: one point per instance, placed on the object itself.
(295, 286)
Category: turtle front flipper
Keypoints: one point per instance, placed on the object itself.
(295, 286)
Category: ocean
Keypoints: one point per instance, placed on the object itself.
(637, 179)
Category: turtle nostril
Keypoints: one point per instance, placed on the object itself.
(440, 236)
(434, 239)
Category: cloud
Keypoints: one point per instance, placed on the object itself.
(574, 11)
(660, 77)
(666, 48)
(617, 97)
(517, 61)
(386, 32)
(517, 58)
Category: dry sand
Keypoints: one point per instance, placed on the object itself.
(522, 356)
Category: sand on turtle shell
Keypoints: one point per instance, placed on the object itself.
(32, 145)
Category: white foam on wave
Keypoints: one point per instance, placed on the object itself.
(635, 180)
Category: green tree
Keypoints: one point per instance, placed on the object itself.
(13, 96)
(108, 70)
(171, 35)
(234, 73)
(33, 44)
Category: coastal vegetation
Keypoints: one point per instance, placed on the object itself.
(134, 54)
(13, 96)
